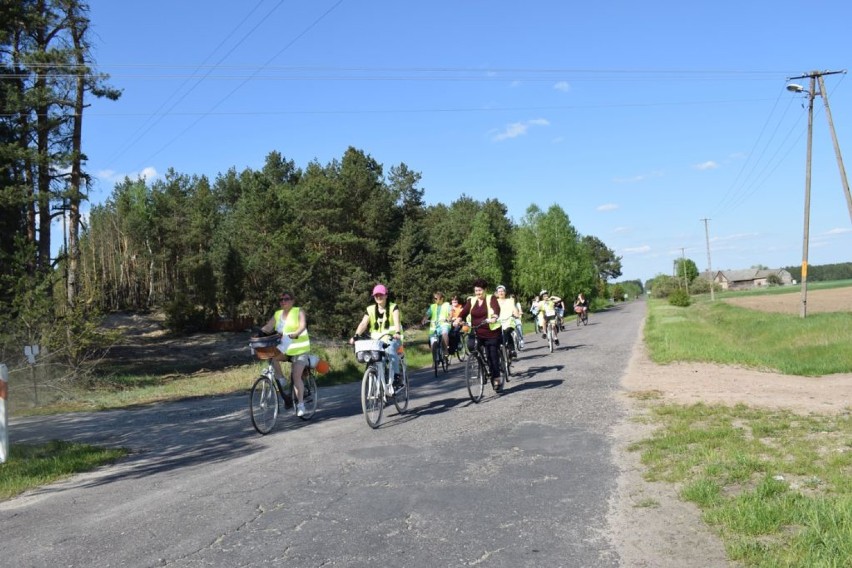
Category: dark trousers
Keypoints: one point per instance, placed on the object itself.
(491, 346)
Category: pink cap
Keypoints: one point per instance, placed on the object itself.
(380, 289)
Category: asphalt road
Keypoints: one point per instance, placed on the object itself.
(522, 479)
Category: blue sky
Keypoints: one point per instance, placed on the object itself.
(639, 119)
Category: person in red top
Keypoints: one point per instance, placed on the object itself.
(484, 308)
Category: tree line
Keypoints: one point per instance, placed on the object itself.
(327, 233)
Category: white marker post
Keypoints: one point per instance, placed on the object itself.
(4, 432)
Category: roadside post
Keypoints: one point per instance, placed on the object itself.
(4, 431)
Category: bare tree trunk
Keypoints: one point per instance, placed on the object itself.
(78, 28)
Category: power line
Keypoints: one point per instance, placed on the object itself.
(227, 96)
(159, 114)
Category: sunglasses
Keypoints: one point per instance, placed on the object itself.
(286, 299)
(378, 295)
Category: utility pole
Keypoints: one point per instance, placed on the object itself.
(815, 76)
(683, 269)
(843, 179)
(709, 265)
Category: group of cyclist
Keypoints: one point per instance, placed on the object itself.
(494, 318)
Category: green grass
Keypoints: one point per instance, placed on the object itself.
(30, 466)
(777, 486)
(718, 332)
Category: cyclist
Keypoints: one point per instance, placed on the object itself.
(546, 313)
(455, 330)
(291, 322)
(508, 313)
(484, 308)
(438, 316)
(383, 318)
(581, 305)
(534, 306)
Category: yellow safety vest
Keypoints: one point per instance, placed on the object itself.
(380, 324)
(302, 343)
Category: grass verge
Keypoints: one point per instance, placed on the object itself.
(721, 333)
(777, 486)
(30, 466)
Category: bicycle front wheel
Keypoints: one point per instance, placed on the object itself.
(445, 359)
(506, 363)
(372, 397)
(473, 374)
(462, 351)
(263, 404)
(550, 337)
(436, 356)
(309, 396)
(400, 395)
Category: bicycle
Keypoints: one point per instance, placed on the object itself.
(462, 351)
(551, 332)
(439, 352)
(476, 371)
(374, 385)
(506, 364)
(264, 398)
(583, 317)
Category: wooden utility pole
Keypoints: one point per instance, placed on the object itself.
(815, 76)
(709, 265)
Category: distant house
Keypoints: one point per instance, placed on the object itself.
(751, 278)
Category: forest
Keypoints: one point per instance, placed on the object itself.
(205, 250)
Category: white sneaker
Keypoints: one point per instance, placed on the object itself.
(300, 409)
(389, 389)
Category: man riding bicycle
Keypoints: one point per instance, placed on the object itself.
(438, 316)
(547, 313)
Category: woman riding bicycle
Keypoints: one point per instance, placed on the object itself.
(383, 319)
(508, 313)
(581, 305)
(484, 309)
(547, 313)
(455, 330)
(438, 316)
(295, 344)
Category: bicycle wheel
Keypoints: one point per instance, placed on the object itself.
(372, 397)
(504, 369)
(550, 337)
(445, 359)
(585, 318)
(473, 374)
(436, 355)
(506, 363)
(400, 395)
(462, 351)
(309, 397)
(263, 405)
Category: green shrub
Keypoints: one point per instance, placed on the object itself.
(679, 298)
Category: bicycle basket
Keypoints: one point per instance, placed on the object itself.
(265, 347)
(368, 350)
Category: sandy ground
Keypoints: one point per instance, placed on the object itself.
(652, 527)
